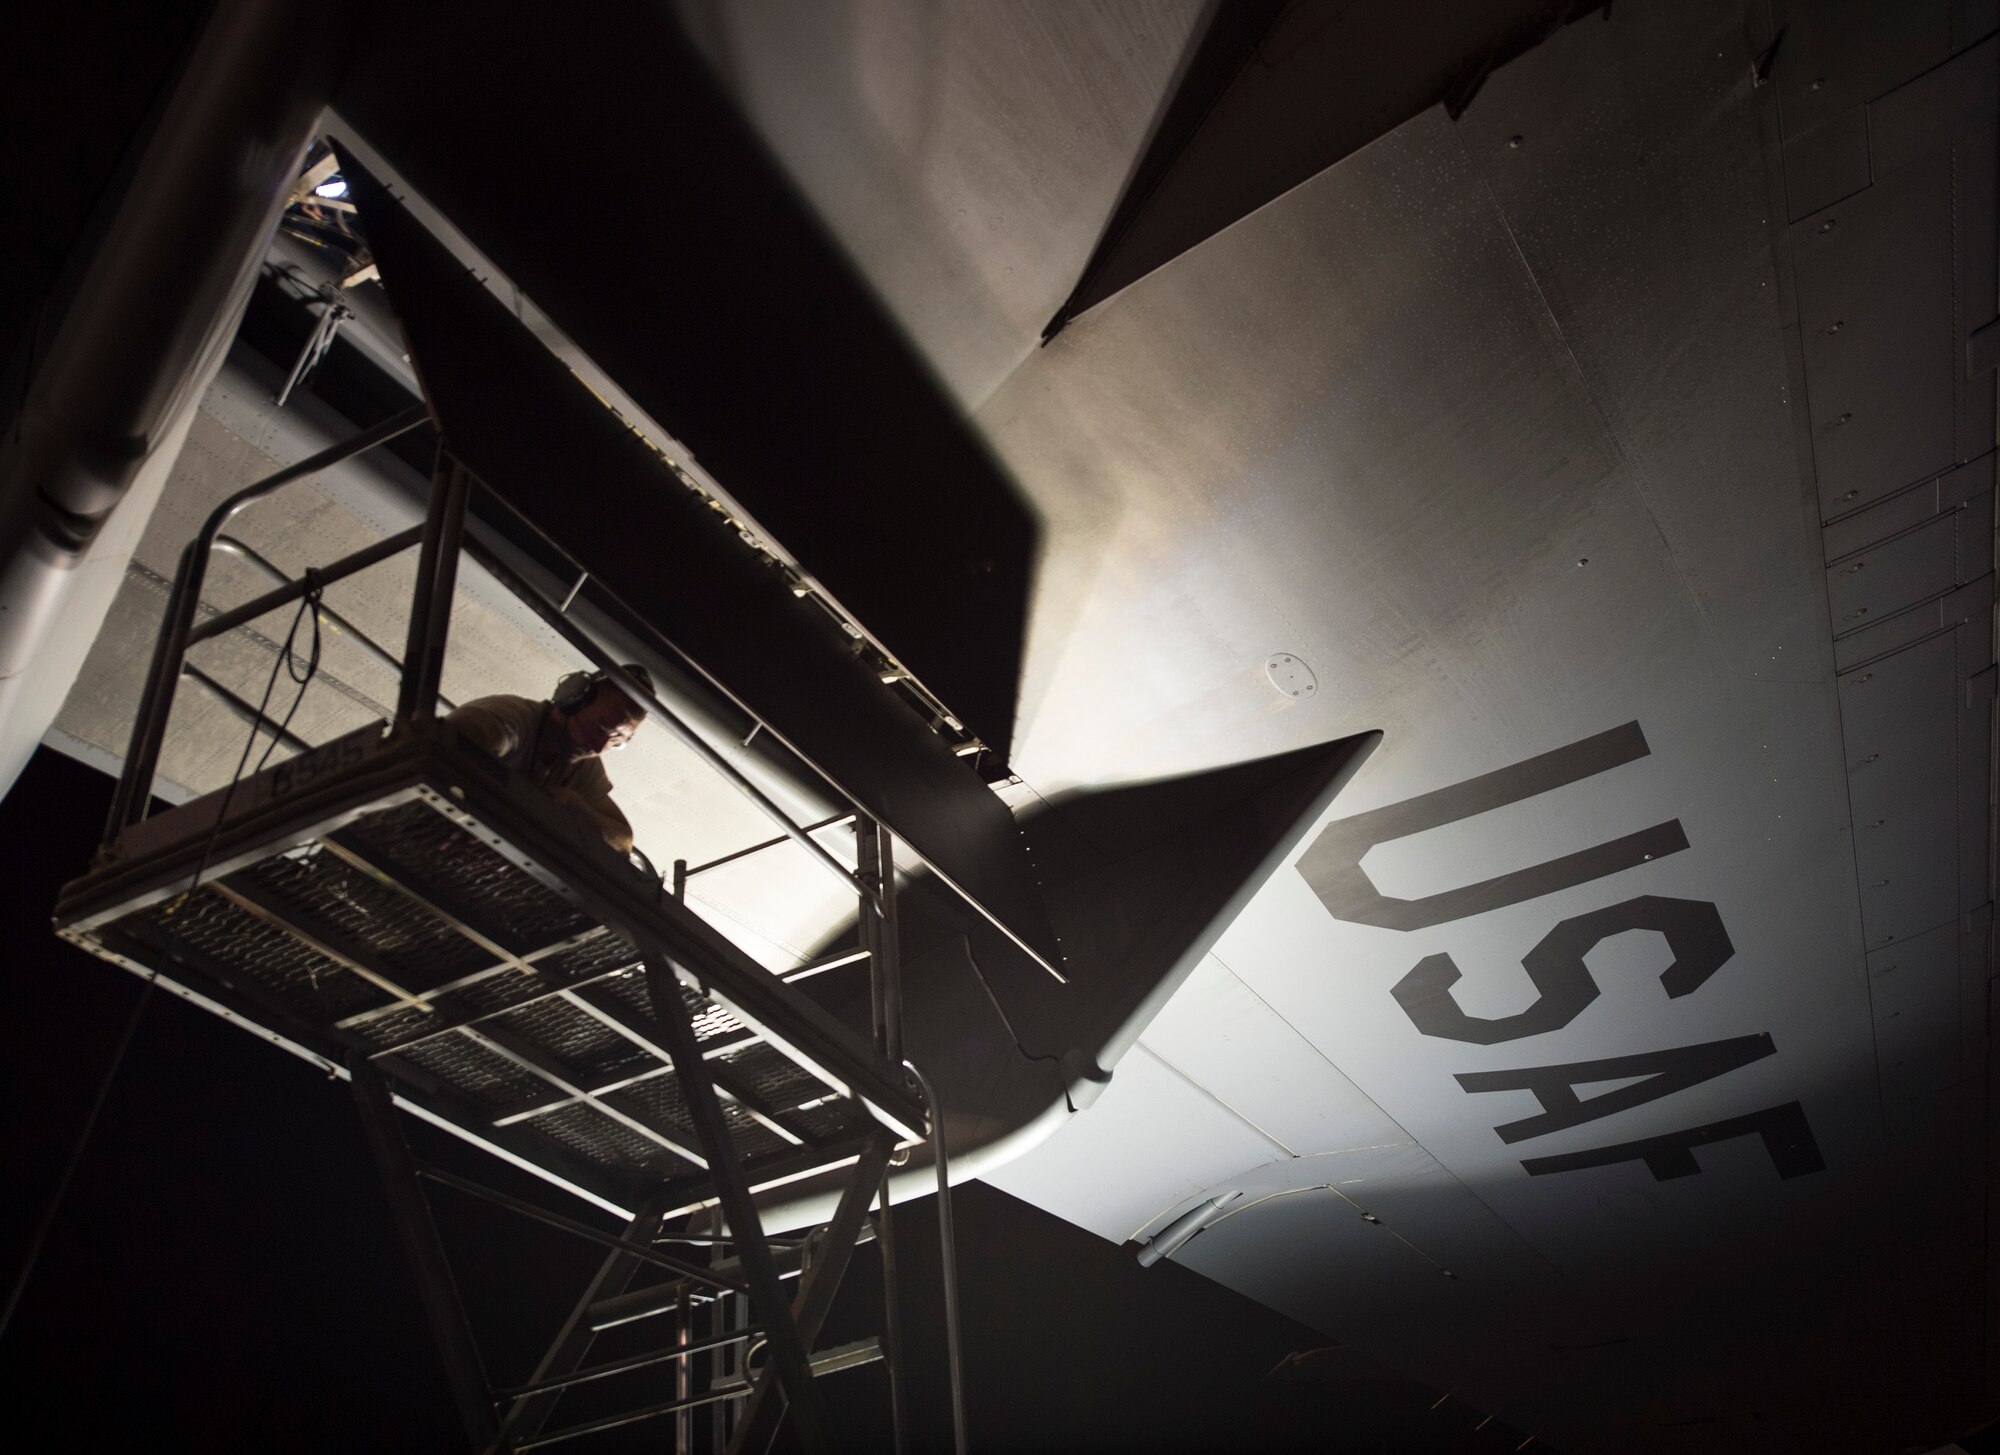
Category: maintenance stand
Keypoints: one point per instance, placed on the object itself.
(404, 912)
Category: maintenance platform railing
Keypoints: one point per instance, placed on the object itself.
(404, 911)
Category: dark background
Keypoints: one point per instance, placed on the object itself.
(223, 1273)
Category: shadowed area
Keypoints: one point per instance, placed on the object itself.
(601, 169)
(531, 431)
(1278, 92)
(1140, 880)
(261, 1214)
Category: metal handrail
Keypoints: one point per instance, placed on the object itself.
(332, 618)
(576, 637)
(149, 728)
(758, 848)
(179, 632)
(948, 1249)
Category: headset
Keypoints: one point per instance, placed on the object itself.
(576, 690)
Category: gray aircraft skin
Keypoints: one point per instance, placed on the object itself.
(1612, 1051)
(1606, 1042)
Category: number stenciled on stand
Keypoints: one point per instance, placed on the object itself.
(309, 767)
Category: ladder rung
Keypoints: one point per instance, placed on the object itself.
(827, 1361)
(847, 1356)
(620, 1366)
(662, 1298)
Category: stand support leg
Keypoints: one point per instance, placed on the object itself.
(821, 1280)
(875, 866)
(430, 603)
(885, 1239)
(767, 1298)
(426, 1254)
(684, 1373)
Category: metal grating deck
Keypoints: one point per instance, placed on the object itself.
(405, 899)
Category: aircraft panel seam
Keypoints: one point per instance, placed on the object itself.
(1307, 1041)
(1784, 265)
(1414, 1140)
(1247, 1121)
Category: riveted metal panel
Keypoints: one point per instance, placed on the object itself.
(1898, 573)
(1602, 225)
(1977, 678)
(1901, 722)
(1975, 538)
(1837, 53)
(1975, 963)
(1336, 1265)
(1875, 311)
(1152, 1140)
(1859, 648)
(1826, 164)
(1423, 1204)
(1964, 605)
(1975, 162)
(1909, 509)
(1216, 1031)
(1913, 990)
(1935, 109)
(1637, 269)
(1360, 1260)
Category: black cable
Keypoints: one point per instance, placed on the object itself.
(980, 976)
(285, 660)
(310, 602)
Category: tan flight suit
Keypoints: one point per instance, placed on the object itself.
(507, 726)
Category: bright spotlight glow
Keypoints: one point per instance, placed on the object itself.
(334, 188)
